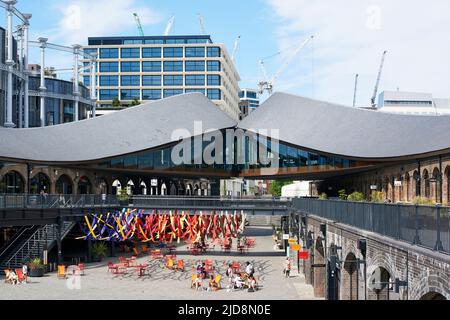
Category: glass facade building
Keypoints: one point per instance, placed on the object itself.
(138, 67)
(249, 101)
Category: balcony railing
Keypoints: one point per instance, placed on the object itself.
(425, 226)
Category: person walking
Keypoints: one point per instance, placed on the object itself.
(25, 272)
(287, 268)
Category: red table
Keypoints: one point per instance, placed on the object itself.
(141, 268)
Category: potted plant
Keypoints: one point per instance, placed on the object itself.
(123, 197)
(99, 250)
(36, 268)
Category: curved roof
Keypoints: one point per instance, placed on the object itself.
(349, 132)
(131, 130)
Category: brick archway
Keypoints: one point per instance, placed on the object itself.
(350, 278)
(432, 296)
(319, 269)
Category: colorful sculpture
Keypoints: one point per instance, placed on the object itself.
(162, 226)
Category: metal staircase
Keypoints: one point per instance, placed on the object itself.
(31, 244)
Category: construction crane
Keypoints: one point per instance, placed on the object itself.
(139, 24)
(267, 85)
(169, 26)
(356, 90)
(236, 47)
(375, 92)
(202, 24)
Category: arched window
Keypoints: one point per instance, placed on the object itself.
(12, 182)
(426, 180)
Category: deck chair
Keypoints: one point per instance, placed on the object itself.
(62, 272)
(217, 282)
(180, 265)
(170, 264)
(81, 267)
(7, 272)
(193, 280)
(20, 277)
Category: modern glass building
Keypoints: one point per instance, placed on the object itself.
(151, 68)
(249, 101)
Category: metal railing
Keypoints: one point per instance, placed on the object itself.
(44, 237)
(29, 201)
(210, 202)
(426, 226)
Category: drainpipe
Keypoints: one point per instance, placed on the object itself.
(42, 88)
(26, 98)
(10, 63)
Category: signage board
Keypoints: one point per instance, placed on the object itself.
(303, 255)
(373, 187)
(296, 247)
(154, 182)
(397, 183)
(285, 236)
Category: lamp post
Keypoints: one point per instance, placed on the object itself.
(26, 103)
(10, 63)
(42, 88)
(76, 91)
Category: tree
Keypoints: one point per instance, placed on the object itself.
(276, 186)
(135, 102)
(116, 102)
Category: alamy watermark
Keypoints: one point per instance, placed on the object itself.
(227, 147)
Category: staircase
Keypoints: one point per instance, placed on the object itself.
(267, 221)
(30, 243)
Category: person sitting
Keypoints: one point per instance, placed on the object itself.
(213, 285)
(249, 270)
(251, 284)
(229, 273)
(198, 283)
(238, 282)
(203, 271)
(13, 278)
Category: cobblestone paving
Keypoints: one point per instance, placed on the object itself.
(163, 284)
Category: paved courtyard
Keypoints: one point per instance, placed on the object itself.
(163, 284)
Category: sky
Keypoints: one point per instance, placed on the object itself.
(349, 38)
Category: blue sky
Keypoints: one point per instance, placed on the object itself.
(349, 38)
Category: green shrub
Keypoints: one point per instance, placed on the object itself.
(357, 197)
(36, 263)
(323, 196)
(377, 196)
(99, 249)
(423, 201)
(342, 194)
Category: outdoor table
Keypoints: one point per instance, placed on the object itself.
(172, 249)
(116, 267)
(241, 249)
(141, 268)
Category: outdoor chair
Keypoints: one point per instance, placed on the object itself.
(180, 265)
(7, 272)
(170, 264)
(61, 272)
(81, 267)
(217, 282)
(20, 277)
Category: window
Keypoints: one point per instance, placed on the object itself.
(130, 53)
(151, 94)
(251, 95)
(197, 41)
(195, 52)
(151, 52)
(130, 66)
(130, 80)
(108, 53)
(90, 50)
(174, 41)
(241, 94)
(173, 52)
(172, 92)
(87, 81)
(130, 94)
(134, 41)
(202, 91)
(213, 65)
(151, 66)
(213, 51)
(107, 94)
(176, 80)
(109, 81)
(195, 65)
(154, 41)
(151, 80)
(171, 66)
(214, 94)
(213, 80)
(195, 80)
(109, 67)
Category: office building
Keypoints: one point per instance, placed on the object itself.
(413, 103)
(249, 101)
(135, 69)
